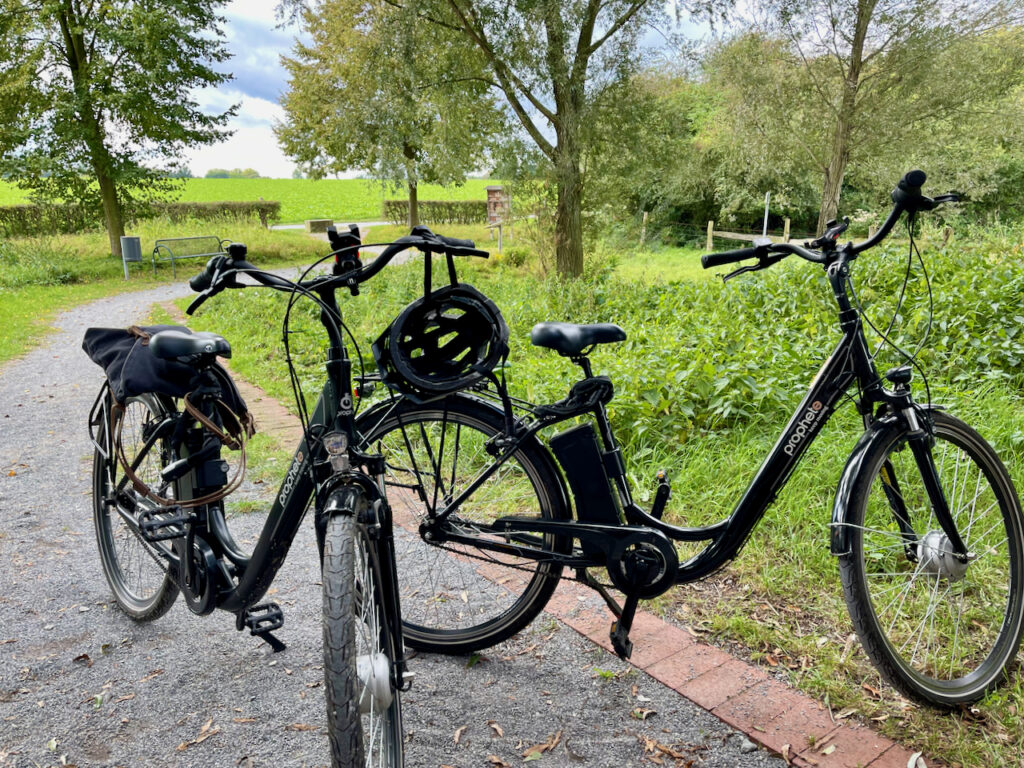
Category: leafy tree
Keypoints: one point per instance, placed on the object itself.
(823, 84)
(378, 90)
(94, 94)
(549, 58)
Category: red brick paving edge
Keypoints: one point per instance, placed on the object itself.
(742, 695)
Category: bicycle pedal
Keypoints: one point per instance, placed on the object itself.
(262, 620)
(155, 528)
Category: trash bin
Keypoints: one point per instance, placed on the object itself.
(131, 251)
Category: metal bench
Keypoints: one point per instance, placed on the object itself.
(173, 248)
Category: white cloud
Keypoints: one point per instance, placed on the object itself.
(258, 83)
(253, 145)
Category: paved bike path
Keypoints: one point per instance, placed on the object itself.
(82, 684)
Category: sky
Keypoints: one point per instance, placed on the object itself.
(259, 81)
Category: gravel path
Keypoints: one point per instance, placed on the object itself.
(82, 684)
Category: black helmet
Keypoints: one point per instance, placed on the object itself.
(441, 343)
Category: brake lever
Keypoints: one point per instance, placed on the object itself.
(763, 262)
(741, 270)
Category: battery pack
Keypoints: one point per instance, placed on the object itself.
(579, 454)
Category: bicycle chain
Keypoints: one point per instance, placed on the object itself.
(525, 568)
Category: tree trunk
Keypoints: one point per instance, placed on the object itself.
(833, 186)
(834, 173)
(568, 219)
(414, 205)
(77, 54)
(112, 214)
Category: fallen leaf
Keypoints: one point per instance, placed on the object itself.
(874, 692)
(118, 700)
(916, 761)
(497, 728)
(642, 714)
(547, 746)
(204, 733)
(82, 658)
(829, 749)
(243, 720)
(301, 727)
(459, 732)
(497, 762)
(785, 754)
(151, 675)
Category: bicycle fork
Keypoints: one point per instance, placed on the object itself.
(352, 494)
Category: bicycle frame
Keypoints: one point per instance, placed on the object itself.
(849, 362)
(309, 475)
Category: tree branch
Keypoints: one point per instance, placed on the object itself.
(617, 25)
(510, 82)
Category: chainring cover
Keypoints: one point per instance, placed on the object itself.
(643, 563)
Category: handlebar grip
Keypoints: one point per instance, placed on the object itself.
(204, 279)
(908, 190)
(709, 260)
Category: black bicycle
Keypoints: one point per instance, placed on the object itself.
(926, 523)
(159, 480)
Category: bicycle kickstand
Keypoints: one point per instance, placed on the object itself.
(620, 628)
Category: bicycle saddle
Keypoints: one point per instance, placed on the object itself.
(570, 339)
(170, 345)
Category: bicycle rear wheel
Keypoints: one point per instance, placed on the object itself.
(457, 598)
(940, 631)
(142, 589)
(364, 708)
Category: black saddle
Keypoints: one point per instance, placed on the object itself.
(570, 339)
(172, 345)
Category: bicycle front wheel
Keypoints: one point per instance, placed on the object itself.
(941, 631)
(364, 708)
(142, 589)
(458, 597)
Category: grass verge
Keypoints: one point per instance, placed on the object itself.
(41, 277)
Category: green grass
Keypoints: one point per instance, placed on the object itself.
(40, 277)
(341, 199)
(704, 385)
(663, 265)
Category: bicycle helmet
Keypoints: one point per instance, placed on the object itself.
(446, 341)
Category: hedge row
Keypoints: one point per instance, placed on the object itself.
(438, 211)
(27, 220)
(68, 218)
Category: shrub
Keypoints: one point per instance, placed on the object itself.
(438, 211)
(69, 218)
(47, 219)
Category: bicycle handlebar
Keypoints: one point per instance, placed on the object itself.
(221, 271)
(906, 196)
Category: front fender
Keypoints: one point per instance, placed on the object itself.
(881, 433)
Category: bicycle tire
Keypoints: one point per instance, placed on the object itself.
(927, 628)
(355, 637)
(141, 588)
(457, 599)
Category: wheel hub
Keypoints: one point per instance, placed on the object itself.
(935, 555)
(374, 672)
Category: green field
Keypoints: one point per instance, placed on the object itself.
(341, 199)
